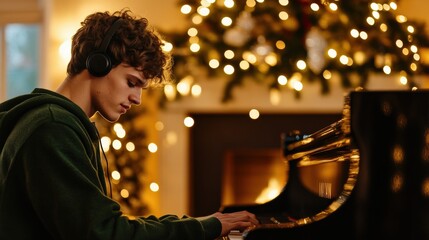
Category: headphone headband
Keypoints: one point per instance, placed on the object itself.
(109, 35)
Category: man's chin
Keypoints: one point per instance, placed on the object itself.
(111, 118)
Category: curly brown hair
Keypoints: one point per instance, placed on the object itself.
(135, 43)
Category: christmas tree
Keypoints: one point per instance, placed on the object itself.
(282, 44)
(125, 150)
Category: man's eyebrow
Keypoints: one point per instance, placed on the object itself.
(142, 81)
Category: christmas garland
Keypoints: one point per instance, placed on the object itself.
(284, 44)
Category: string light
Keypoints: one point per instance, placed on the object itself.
(254, 114)
(231, 38)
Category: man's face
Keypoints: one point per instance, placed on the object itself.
(115, 93)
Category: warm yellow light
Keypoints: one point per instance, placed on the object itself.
(410, 29)
(386, 7)
(280, 45)
(203, 11)
(401, 19)
(152, 147)
(399, 43)
(119, 130)
(154, 187)
(270, 192)
(374, 6)
(297, 85)
(116, 175)
(124, 193)
(206, 3)
(244, 65)
(254, 114)
(229, 3)
(282, 80)
(197, 19)
(344, 59)
(105, 143)
(354, 33)
(349, 61)
(284, 2)
(283, 15)
(194, 39)
(250, 57)
(130, 146)
(192, 32)
(184, 86)
(271, 59)
(416, 56)
(251, 3)
(196, 90)
(332, 53)
(376, 14)
(413, 66)
(405, 51)
(403, 80)
(383, 27)
(333, 6)
(229, 69)
(116, 144)
(327, 74)
(295, 81)
(301, 64)
(195, 47)
(214, 63)
(229, 54)
(188, 121)
(387, 69)
(170, 92)
(315, 7)
(186, 9)
(363, 35)
(370, 21)
(167, 47)
(117, 127)
(226, 21)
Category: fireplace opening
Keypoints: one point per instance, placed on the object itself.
(252, 176)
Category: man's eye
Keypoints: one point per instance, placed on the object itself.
(131, 83)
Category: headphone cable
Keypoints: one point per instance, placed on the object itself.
(107, 162)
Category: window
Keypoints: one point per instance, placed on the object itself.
(22, 47)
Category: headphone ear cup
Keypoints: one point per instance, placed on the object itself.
(98, 64)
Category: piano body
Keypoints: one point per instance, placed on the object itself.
(377, 183)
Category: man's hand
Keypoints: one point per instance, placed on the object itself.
(236, 221)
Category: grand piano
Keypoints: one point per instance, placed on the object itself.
(370, 175)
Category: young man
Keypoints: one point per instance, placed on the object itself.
(52, 182)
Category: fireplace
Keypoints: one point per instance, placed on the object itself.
(233, 158)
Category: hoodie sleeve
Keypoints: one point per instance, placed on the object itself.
(66, 193)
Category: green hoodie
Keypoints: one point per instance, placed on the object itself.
(52, 182)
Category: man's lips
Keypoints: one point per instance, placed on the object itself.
(124, 108)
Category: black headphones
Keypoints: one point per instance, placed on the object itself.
(98, 62)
